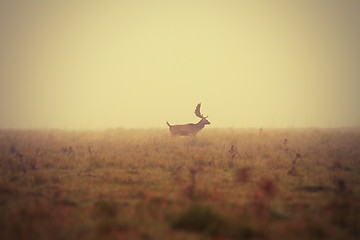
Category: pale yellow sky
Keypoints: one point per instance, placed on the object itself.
(104, 64)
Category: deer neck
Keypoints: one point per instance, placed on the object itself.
(200, 124)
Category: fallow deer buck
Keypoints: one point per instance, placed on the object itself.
(190, 129)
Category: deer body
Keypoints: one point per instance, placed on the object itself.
(190, 129)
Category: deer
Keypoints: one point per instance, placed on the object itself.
(190, 129)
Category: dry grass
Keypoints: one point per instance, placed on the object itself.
(144, 184)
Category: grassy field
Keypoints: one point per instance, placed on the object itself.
(144, 184)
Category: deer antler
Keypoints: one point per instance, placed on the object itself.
(197, 111)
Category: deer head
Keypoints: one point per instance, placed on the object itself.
(199, 114)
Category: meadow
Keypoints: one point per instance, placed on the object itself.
(145, 184)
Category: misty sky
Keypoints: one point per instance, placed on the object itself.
(105, 64)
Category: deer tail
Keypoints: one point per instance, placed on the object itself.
(168, 124)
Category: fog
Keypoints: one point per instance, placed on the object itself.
(137, 64)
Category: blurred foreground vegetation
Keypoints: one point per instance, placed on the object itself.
(144, 184)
